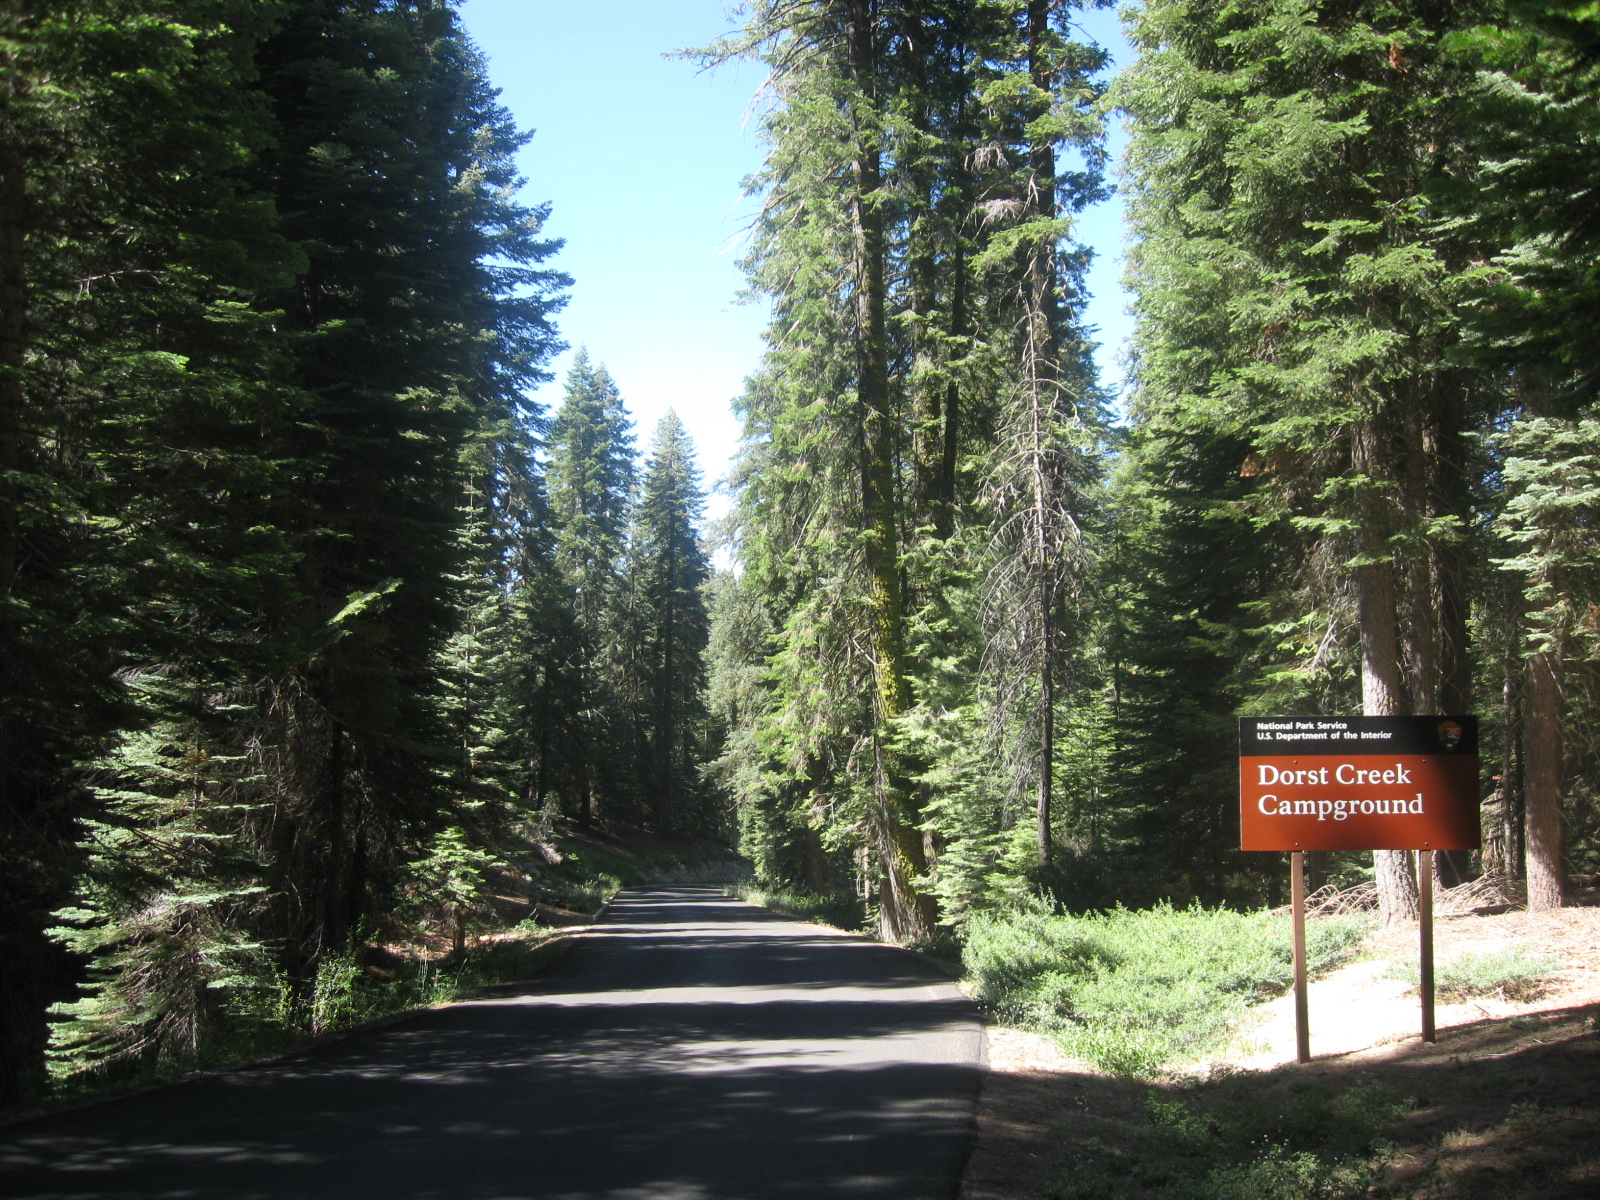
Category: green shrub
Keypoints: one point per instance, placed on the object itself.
(1277, 1175)
(334, 997)
(584, 893)
(1230, 1139)
(842, 910)
(1517, 973)
(1133, 991)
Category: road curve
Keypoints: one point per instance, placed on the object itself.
(692, 1047)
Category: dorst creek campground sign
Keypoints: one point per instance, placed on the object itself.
(1358, 783)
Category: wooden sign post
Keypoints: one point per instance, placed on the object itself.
(1425, 938)
(1358, 783)
(1297, 910)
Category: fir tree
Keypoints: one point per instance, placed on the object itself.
(1295, 292)
(667, 572)
(1531, 312)
(918, 291)
(138, 395)
(421, 308)
(591, 484)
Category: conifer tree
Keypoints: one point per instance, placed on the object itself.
(895, 242)
(591, 485)
(1045, 460)
(138, 396)
(827, 399)
(667, 573)
(423, 308)
(269, 305)
(1202, 628)
(1294, 291)
(1531, 315)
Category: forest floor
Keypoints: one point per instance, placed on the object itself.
(1506, 1103)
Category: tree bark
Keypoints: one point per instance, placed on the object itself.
(1541, 745)
(13, 326)
(1446, 572)
(927, 393)
(1047, 735)
(666, 721)
(944, 512)
(1418, 631)
(22, 947)
(814, 867)
(1042, 372)
(37, 805)
(906, 914)
(1451, 558)
(1380, 655)
(1043, 307)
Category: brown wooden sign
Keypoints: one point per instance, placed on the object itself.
(1358, 783)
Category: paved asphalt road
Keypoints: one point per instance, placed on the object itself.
(692, 1048)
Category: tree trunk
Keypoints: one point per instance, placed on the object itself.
(666, 731)
(927, 392)
(1541, 744)
(30, 964)
(1448, 574)
(1494, 857)
(333, 934)
(1043, 314)
(318, 886)
(13, 324)
(1501, 853)
(1452, 557)
(1047, 733)
(1042, 375)
(950, 441)
(1417, 626)
(814, 867)
(906, 914)
(1380, 657)
(1316, 870)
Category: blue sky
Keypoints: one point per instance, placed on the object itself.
(642, 159)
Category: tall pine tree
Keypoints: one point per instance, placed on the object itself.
(139, 396)
(591, 484)
(1296, 293)
(668, 628)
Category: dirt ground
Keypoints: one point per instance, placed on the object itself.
(1505, 1103)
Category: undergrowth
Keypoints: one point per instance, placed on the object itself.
(579, 893)
(1516, 973)
(1134, 991)
(603, 870)
(354, 997)
(842, 910)
(495, 913)
(344, 994)
(1233, 1140)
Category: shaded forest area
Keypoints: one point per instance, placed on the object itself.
(312, 619)
(313, 623)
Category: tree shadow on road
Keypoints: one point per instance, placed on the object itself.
(801, 1071)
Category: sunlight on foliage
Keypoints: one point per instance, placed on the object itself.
(1514, 973)
(1133, 992)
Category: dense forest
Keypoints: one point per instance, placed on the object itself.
(309, 615)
